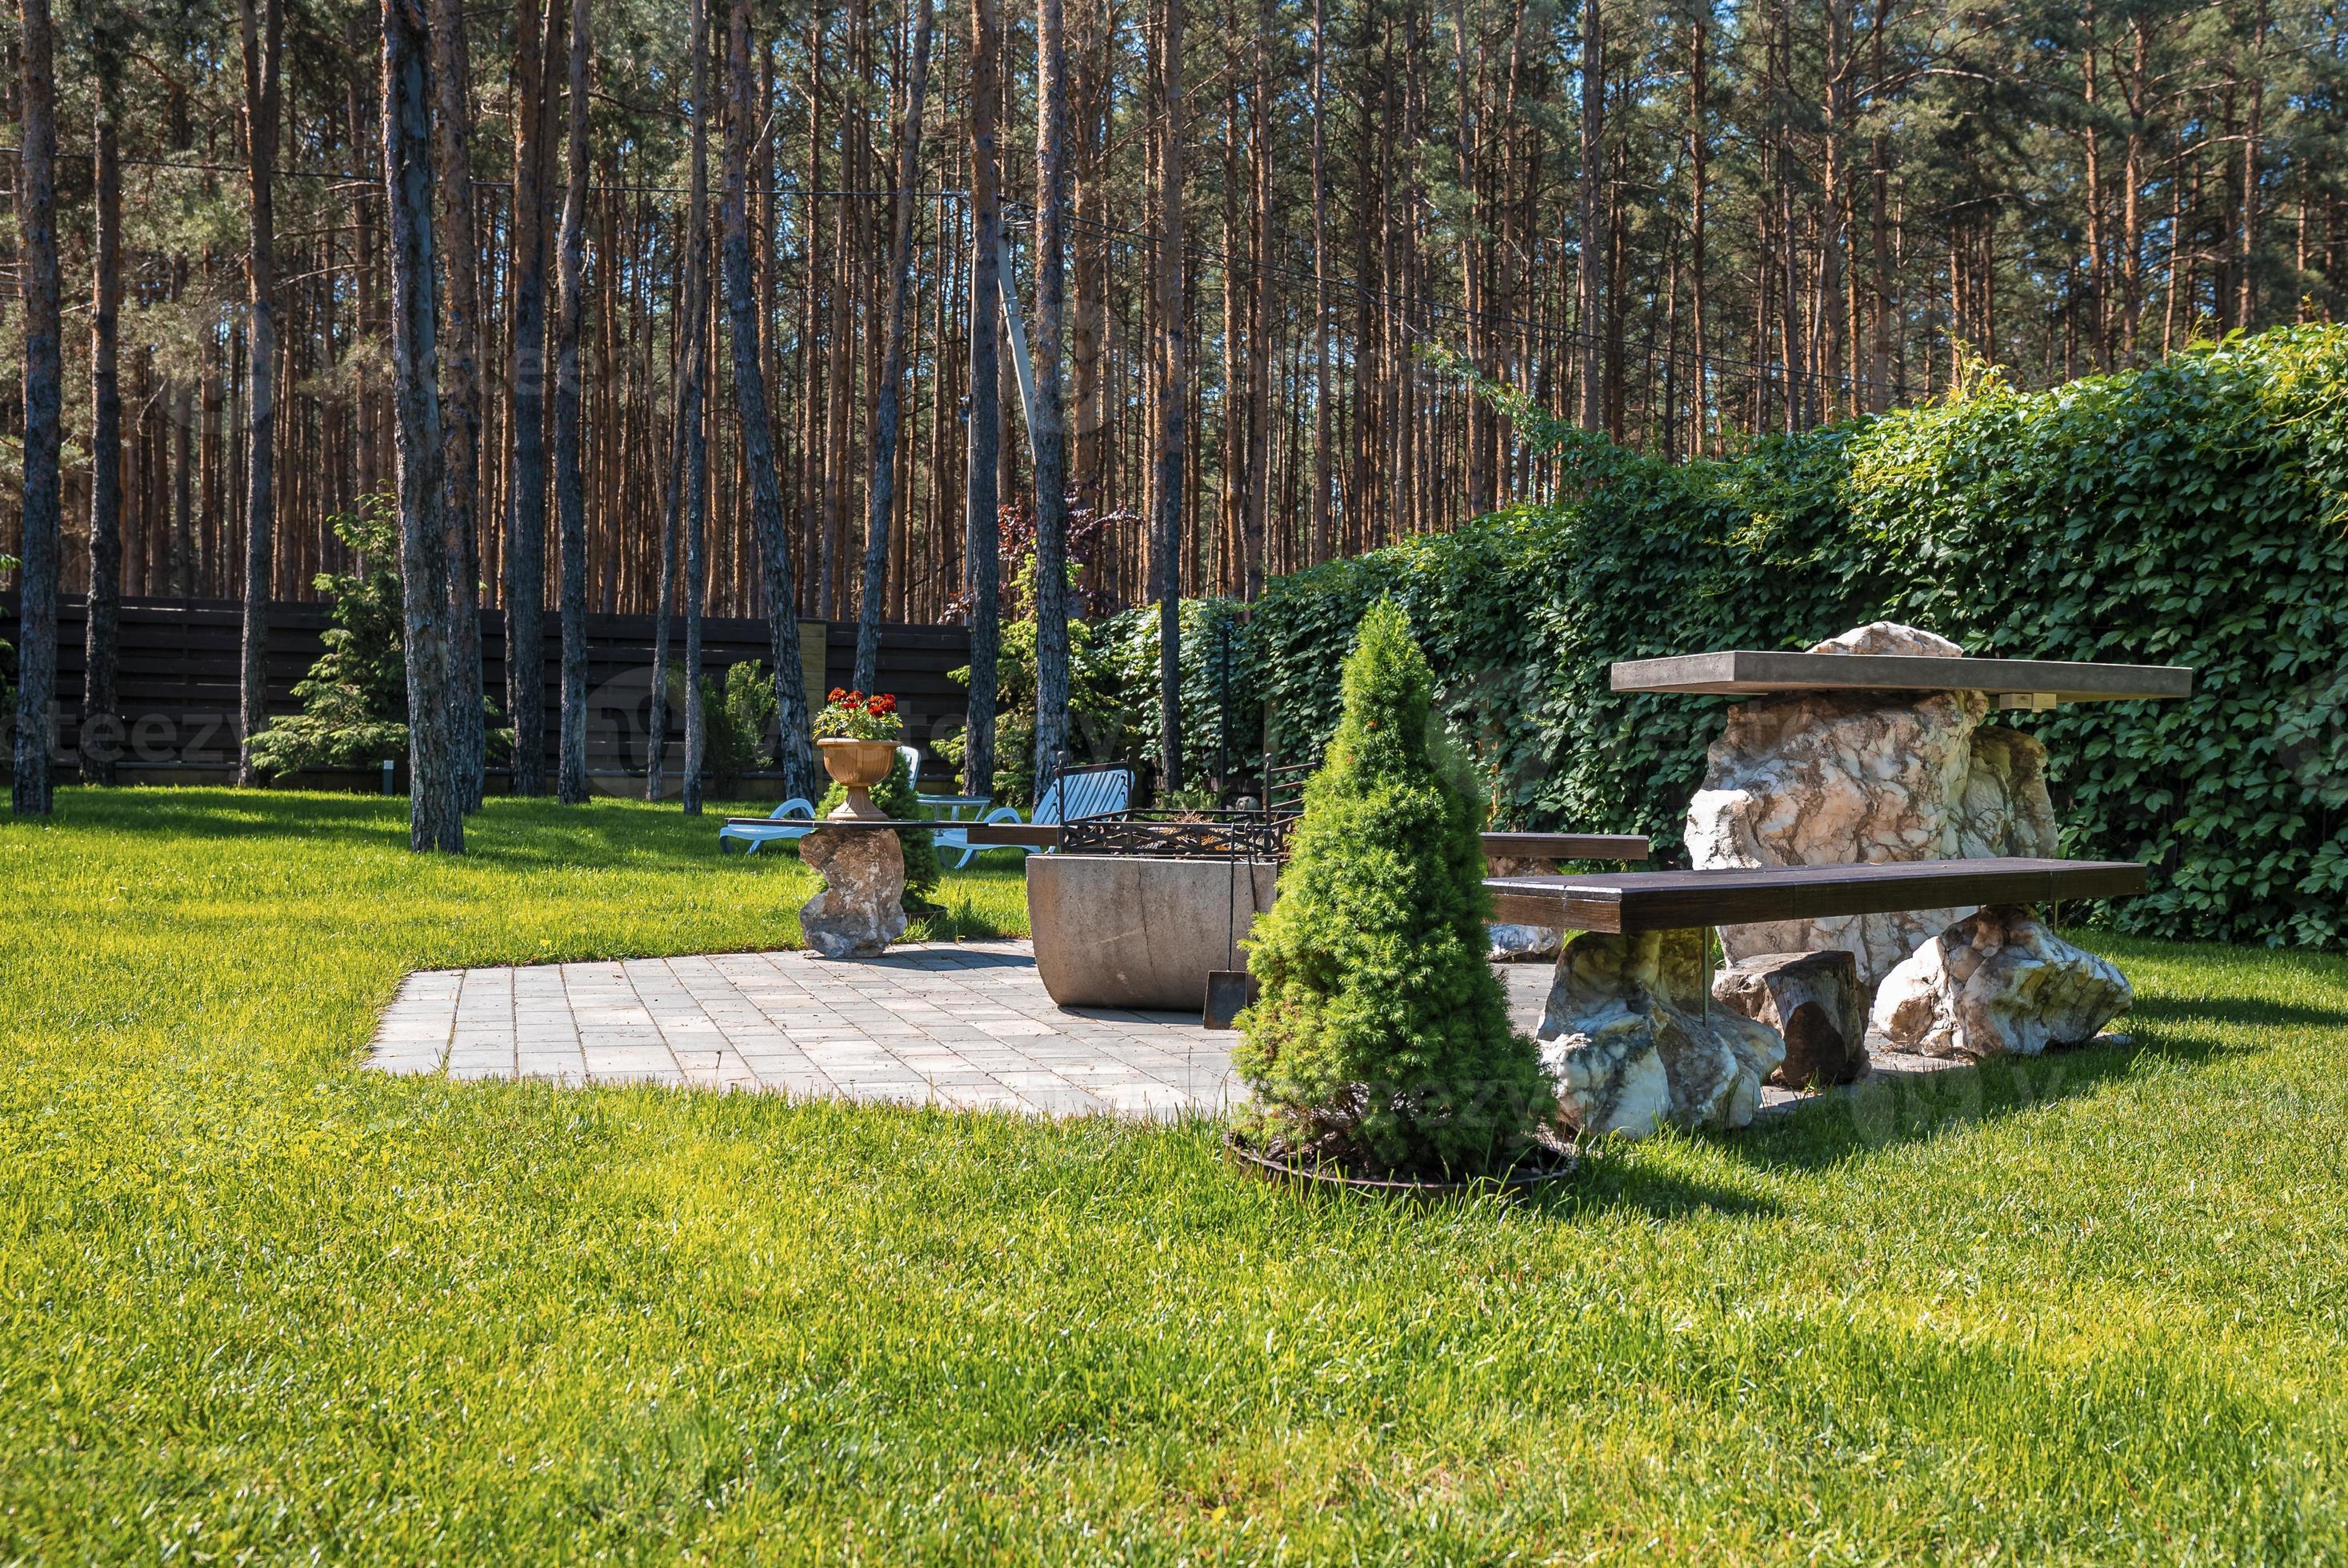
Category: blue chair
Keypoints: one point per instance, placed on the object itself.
(794, 819)
(1076, 792)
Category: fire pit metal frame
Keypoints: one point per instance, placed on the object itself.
(1185, 835)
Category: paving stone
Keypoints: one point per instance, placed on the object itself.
(966, 1027)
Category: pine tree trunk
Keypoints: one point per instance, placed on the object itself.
(525, 545)
(436, 797)
(37, 210)
(1590, 244)
(1258, 355)
(982, 549)
(684, 460)
(460, 396)
(795, 746)
(698, 425)
(101, 728)
(1173, 397)
(1049, 438)
(264, 37)
(882, 500)
(1323, 539)
(1699, 145)
(570, 420)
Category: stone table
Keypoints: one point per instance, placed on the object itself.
(1877, 746)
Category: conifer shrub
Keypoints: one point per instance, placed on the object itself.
(736, 717)
(354, 698)
(1381, 1040)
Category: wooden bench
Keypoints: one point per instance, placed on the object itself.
(1631, 1035)
(1624, 903)
(1519, 846)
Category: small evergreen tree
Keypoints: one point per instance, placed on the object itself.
(736, 720)
(1382, 1035)
(354, 698)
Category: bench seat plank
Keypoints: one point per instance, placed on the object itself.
(1626, 902)
(1523, 846)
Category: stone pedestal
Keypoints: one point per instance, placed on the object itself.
(1631, 1044)
(1812, 999)
(862, 909)
(1841, 777)
(1998, 983)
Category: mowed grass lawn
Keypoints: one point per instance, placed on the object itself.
(258, 1304)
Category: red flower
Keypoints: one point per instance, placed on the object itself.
(882, 705)
(835, 694)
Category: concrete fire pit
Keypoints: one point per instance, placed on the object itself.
(1140, 932)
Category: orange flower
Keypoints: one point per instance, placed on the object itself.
(837, 694)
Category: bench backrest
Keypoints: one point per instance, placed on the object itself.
(1085, 792)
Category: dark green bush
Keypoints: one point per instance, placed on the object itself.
(354, 698)
(1125, 721)
(7, 657)
(736, 719)
(2188, 513)
(1382, 1035)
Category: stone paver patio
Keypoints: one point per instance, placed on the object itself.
(962, 1024)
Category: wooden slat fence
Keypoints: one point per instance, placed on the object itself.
(177, 681)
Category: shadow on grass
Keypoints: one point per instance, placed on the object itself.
(2236, 1010)
(1887, 1112)
(1607, 1181)
(530, 834)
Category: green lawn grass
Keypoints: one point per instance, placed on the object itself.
(257, 1303)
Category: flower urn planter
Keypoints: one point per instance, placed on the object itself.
(1140, 932)
(856, 766)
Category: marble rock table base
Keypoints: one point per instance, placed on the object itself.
(862, 909)
(1814, 1000)
(1998, 983)
(1833, 777)
(1631, 1046)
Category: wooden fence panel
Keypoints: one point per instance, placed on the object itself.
(177, 681)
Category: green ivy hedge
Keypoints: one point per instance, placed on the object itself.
(2195, 512)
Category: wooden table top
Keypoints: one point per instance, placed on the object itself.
(1752, 671)
(1624, 902)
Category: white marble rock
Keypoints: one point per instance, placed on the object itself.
(1998, 983)
(1838, 778)
(862, 909)
(1631, 1046)
(1511, 943)
(1815, 1003)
